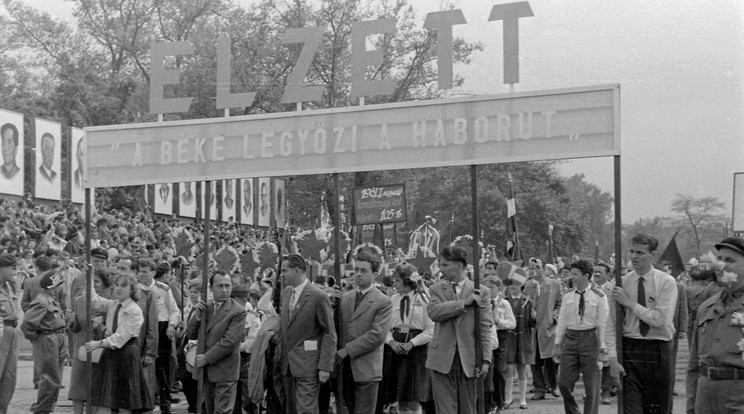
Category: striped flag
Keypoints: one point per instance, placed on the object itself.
(513, 249)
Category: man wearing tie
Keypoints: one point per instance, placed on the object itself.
(225, 320)
(580, 338)
(648, 297)
(308, 338)
(451, 355)
(365, 321)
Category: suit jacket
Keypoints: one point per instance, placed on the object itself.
(225, 330)
(547, 306)
(49, 177)
(455, 328)
(363, 332)
(308, 337)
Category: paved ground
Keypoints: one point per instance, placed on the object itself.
(25, 394)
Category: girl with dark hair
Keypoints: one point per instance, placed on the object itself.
(406, 379)
(118, 381)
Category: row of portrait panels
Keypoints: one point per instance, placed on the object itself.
(47, 142)
(252, 201)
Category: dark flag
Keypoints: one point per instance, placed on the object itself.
(513, 249)
(671, 254)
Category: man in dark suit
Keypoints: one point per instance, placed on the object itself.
(47, 157)
(308, 338)
(225, 320)
(451, 353)
(365, 321)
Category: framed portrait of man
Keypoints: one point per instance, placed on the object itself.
(48, 159)
(280, 202)
(77, 182)
(228, 200)
(187, 199)
(247, 201)
(212, 200)
(11, 147)
(264, 202)
(164, 199)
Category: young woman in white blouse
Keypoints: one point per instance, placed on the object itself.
(407, 380)
(118, 381)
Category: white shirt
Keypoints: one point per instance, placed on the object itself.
(417, 318)
(295, 295)
(661, 301)
(503, 315)
(595, 314)
(167, 308)
(128, 323)
(252, 325)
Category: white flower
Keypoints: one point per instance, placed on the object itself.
(737, 318)
(729, 278)
(415, 277)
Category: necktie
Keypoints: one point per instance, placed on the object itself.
(642, 301)
(358, 299)
(115, 325)
(454, 287)
(292, 302)
(404, 307)
(581, 304)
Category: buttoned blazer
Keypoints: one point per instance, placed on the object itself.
(363, 332)
(225, 330)
(454, 328)
(311, 320)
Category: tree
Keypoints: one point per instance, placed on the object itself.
(699, 213)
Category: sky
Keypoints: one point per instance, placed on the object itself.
(679, 65)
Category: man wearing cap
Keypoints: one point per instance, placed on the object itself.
(98, 261)
(8, 337)
(649, 298)
(546, 292)
(580, 338)
(44, 325)
(31, 288)
(715, 378)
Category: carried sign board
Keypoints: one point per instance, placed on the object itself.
(559, 124)
(380, 204)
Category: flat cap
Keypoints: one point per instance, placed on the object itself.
(51, 279)
(99, 253)
(7, 260)
(734, 243)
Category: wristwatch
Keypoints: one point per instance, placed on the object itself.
(603, 351)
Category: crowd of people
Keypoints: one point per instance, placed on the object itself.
(385, 336)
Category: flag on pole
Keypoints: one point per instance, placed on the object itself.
(671, 254)
(513, 250)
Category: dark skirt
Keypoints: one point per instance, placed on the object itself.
(118, 381)
(405, 377)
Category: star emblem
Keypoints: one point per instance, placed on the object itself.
(310, 246)
(184, 244)
(249, 265)
(421, 261)
(267, 257)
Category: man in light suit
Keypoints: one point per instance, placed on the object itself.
(225, 319)
(365, 321)
(547, 295)
(308, 338)
(451, 354)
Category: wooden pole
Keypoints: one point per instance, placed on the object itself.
(88, 285)
(480, 402)
(618, 278)
(337, 272)
(201, 339)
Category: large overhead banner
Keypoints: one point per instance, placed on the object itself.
(48, 159)
(11, 147)
(560, 124)
(78, 165)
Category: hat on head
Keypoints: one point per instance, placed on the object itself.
(7, 260)
(99, 253)
(552, 268)
(50, 280)
(734, 243)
